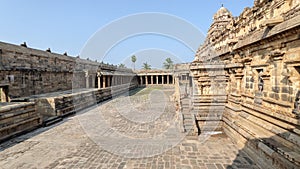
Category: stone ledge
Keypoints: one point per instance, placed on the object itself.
(271, 114)
(5, 107)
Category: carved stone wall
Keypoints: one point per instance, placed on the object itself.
(260, 53)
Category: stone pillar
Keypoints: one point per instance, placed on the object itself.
(168, 79)
(141, 80)
(162, 79)
(121, 80)
(98, 78)
(151, 79)
(104, 82)
(87, 79)
(146, 78)
(156, 79)
(173, 79)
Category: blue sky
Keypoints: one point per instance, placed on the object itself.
(65, 25)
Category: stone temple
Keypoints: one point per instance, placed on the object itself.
(242, 90)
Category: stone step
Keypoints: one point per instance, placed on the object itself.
(187, 115)
(19, 128)
(210, 129)
(52, 120)
(268, 145)
(209, 118)
(188, 121)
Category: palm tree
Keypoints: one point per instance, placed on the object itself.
(168, 64)
(146, 66)
(133, 60)
(121, 65)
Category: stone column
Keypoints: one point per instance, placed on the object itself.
(156, 79)
(146, 78)
(87, 79)
(162, 79)
(141, 80)
(168, 79)
(173, 79)
(151, 79)
(98, 78)
(104, 82)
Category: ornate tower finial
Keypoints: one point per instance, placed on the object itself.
(222, 5)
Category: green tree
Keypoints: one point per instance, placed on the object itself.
(133, 60)
(168, 64)
(146, 66)
(122, 65)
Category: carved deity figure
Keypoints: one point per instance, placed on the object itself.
(260, 81)
(297, 104)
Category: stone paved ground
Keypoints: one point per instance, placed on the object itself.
(117, 134)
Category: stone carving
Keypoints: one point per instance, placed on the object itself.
(297, 104)
(260, 82)
(268, 79)
(206, 90)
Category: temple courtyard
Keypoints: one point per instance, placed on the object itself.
(116, 134)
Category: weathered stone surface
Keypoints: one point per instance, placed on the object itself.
(30, 71)
(68, 144)
(16, 118)
(261, 110)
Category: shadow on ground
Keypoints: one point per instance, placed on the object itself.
(268, 153)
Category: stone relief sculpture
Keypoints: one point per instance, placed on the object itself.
(260, 82)
(206, 90)
(297, 104)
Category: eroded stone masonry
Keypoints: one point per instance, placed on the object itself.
(244, 82)
(249, 68)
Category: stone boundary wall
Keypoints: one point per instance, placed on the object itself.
(30, 71)
(20, 117)
(17, 118)
(53, 106)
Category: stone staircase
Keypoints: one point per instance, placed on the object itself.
(189, 123)
(209, 110)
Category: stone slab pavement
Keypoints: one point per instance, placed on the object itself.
(117, 134)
